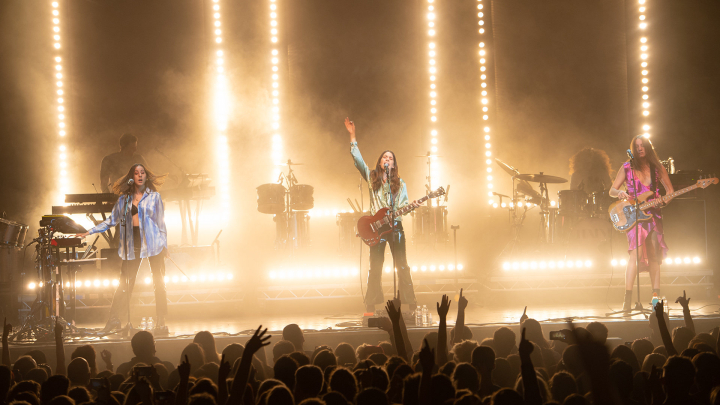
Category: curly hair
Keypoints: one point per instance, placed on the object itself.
(154, 182)
(591, 160)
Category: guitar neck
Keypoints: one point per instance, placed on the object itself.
(662, 200)
(408, 208)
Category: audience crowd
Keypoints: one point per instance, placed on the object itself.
(678, 367)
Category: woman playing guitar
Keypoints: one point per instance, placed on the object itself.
(382, 190)
(647, 171)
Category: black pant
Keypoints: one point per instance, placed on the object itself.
(157, 267)
(377, 257)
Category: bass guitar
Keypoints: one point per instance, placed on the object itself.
(372, 227)
(624, 217)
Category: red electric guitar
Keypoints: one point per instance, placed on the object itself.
(372, 227)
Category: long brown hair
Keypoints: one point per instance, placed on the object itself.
(650, 156)
(154, 182)
(376, 175)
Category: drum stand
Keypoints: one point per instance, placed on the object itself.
(291, 235)
(48, 308)
(515, 226)
(544, 213)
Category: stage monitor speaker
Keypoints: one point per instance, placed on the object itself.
(685, 228)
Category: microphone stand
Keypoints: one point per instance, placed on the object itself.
(127, 330)
(638, 304)
(392, 230)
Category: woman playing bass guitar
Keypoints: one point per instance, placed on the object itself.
(647, 171)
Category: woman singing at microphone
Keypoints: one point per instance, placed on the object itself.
(146, 238)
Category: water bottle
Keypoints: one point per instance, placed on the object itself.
(143, 324)
(150, 325)
(430, 320)
(424, 315)
(655, 300)
(418, 316)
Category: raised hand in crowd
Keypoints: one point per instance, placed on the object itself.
(256, 342)
(427, 361)
(524, 316)
(184, 373)
(685, 304)
(106, 357)
(442, 309)
(223, 373)
(403, 327)
(460, 321)
(662, 326)
(531, 386)
(395, 317)
(7, 329)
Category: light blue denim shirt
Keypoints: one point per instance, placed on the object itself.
(151, 216)
(380, 198)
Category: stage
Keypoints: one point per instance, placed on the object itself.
(331, 328)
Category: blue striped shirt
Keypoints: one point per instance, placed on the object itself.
(151, 216)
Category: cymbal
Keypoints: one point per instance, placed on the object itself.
(541, 178)
(509, 169)
(523, 187)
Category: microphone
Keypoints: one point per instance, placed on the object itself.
(386, 166)
(130, 182)
(630, 154)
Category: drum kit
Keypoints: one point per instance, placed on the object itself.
(579, 220)
(290, 204)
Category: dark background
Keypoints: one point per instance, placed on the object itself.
(564, 76)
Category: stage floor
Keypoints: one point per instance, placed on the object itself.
(476, 317)
(333, 328)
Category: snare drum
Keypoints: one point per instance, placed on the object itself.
(573, 202)
(271, 198)
(301, 197)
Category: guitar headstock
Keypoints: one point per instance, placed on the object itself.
(441, 192)
(703, 183)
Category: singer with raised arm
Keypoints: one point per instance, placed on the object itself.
(643, 173)
(385, 186)
(144, 235)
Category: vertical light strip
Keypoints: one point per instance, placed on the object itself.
(484, 100)
(277, 146)
(645, 103)
(60, 102)
(221, 111)
(432, 70)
